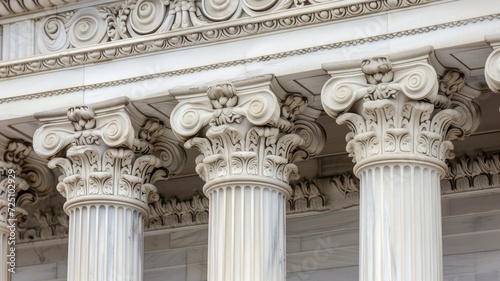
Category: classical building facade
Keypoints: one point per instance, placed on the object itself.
(250, 140)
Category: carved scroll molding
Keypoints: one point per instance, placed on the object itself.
(492, 68)
(179, 27)
(247, 128)
(172, 213)
(109, 151)
(46, 220)
(400, 109)
(468, 173)
(306, 196)
(29, 174)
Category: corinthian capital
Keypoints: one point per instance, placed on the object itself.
(247, 128)
(492, 68)
(399, 107)
(108, 150)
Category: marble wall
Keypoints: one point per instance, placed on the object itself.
(323, 246)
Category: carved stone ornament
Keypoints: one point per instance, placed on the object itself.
(249, 128)
(400, 108)
(348, 185)
(30, 177)
(306, 196)
(492, 68)
(469, 173)
(108, 151)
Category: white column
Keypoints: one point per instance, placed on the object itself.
(249, 138)
(247, 230)
(113, 155)
(400, 211)
(403, 120)
(105, 241)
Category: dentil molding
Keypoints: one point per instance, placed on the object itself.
(399, 108)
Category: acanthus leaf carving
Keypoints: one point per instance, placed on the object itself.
(306, 197)
(468, 173)
(348, 185)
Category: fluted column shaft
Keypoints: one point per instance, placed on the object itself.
(403, 117)
(247, 231)
(400, 227)
(105, 242)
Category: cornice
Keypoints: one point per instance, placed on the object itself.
(22, 66)
(202, 34)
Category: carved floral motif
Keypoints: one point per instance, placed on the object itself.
(472, 173)
(306, 197)
(173, 213)
(348, 185)
(44, 226)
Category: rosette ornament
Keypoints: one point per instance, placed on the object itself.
(110, 155)
(250, 134)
